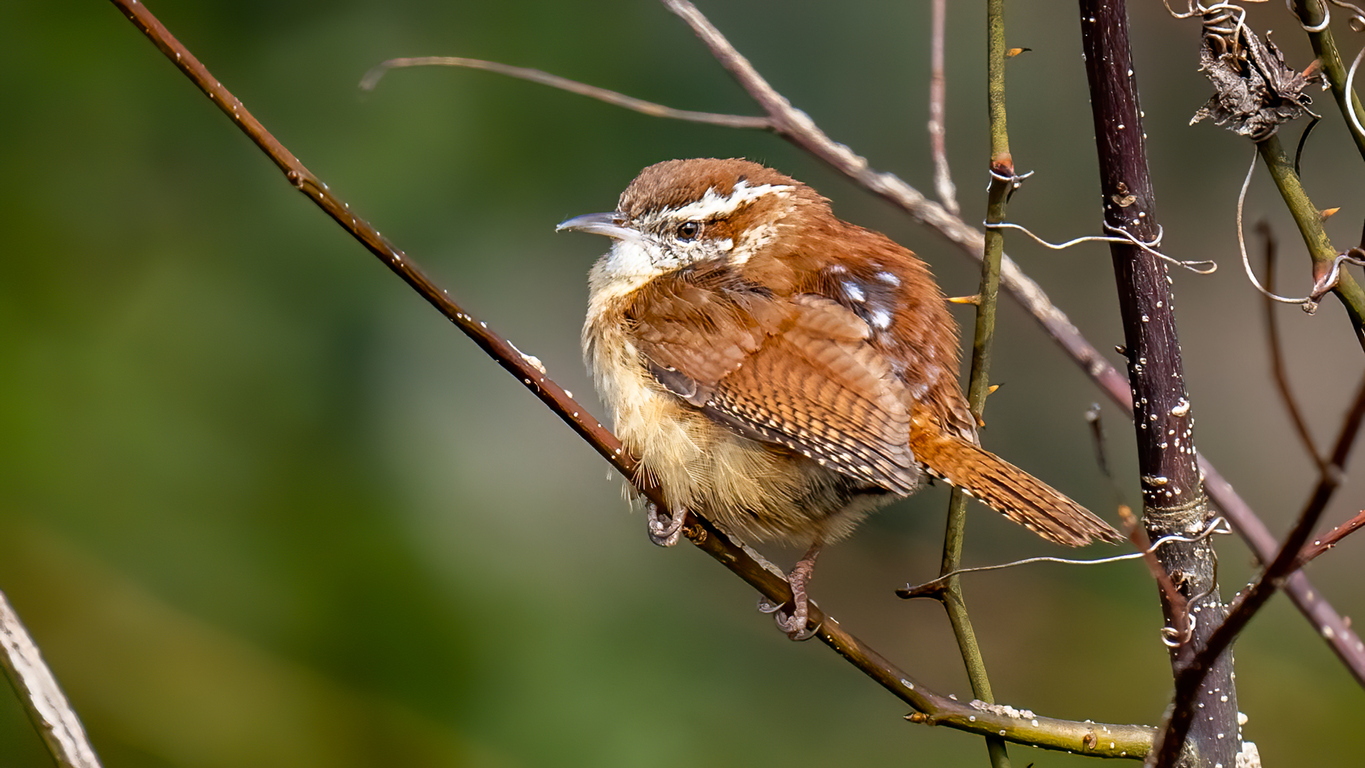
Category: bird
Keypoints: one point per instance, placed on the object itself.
(782, 372)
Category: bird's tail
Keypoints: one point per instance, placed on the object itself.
(1009, 490)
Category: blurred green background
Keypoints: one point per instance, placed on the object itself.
(261, 506)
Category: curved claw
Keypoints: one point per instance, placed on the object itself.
(795, 624)
(785, 621)
(664, 529)
(767, 606)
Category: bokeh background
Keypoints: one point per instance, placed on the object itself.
(261, 506)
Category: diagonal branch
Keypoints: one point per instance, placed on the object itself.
(1331, 538)
(371, 79)
(42, 698)
(1022, 726)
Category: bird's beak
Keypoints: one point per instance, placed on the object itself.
(598, 224)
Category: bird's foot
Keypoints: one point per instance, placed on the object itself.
(664, 529)
(794, 620)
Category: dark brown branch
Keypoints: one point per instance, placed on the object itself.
(1022, 726)
(1173, 493)
(371, 79)
(1277, 366)
(42, 698)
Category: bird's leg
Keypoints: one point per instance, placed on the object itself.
(664, 529)
(794, 624)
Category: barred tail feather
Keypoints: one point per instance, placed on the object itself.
(1009, 490)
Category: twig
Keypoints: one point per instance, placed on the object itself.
(1277, 366)
(1330, 539)
(42, 698)
(938, 94)
(1089, 738)
(1173, 494)
(1180, 629)
(371, 79)
(933, 587)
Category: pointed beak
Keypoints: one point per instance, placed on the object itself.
(598, 224)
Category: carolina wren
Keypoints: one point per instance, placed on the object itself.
(780, 371)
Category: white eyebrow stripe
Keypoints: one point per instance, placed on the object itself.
(714, 206)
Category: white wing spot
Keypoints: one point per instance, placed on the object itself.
(854, 291)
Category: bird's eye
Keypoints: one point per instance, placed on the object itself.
(688, 230)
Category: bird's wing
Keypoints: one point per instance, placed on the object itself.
(799, 373)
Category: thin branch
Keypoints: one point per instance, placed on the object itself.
(1330, 539)
(42, 698)
(938, 95)
(1003, 182)
(371, 79)
(1180, 629)
(1022, 726)
(1277, 366)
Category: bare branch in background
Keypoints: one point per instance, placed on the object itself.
(42, 698)
(938, 96)
(371, 79)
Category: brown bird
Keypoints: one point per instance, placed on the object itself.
(780, 371)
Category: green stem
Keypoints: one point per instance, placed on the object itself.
(1309, 220)
(1002, 172)
(1312, 13)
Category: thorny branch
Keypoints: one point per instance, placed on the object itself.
(977, 717)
